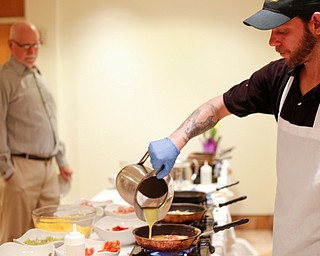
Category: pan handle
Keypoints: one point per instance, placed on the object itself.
(230, 225)
(227, 226)
(233, 201)
(228, 150)
(226, 186)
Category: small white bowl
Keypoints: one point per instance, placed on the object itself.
(103, 229)
(99, 205)
(38, 236)
(96, 244)
(14, 249)
(93, 203)
(120, 211)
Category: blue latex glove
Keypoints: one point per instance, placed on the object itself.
(163, 154)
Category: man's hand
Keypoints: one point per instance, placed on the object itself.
(66, 173)
(7, 179)
(163, 154)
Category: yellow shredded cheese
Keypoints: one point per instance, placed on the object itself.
(61, 226)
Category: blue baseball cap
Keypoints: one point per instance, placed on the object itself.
(277, 12)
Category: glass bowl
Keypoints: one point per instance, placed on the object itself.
(60, 218)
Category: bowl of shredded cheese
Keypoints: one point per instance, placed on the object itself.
(60, 218)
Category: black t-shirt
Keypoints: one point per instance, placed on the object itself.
(262, 94)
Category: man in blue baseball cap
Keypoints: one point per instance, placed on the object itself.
(289, 89)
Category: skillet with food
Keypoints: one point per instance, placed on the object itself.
(185, 213)
(175, 237)
(189, 212)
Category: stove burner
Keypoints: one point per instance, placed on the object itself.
(203, 248)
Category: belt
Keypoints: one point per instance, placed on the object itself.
(33, 157)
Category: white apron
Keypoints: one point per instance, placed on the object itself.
(297, 207)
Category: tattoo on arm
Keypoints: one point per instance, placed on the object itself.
(193, 125)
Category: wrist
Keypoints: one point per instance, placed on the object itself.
(178, 141)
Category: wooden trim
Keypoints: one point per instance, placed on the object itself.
(12, 8)
(255, 222)
(10, 20)
(4, 48)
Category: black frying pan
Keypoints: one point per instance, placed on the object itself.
(195, 197)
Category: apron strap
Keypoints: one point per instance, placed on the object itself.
(285, 93)
(316, 123)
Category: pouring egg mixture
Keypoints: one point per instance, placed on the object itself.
(151, 216)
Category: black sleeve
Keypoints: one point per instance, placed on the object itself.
(259, 94)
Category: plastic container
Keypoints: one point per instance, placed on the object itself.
(75, 243)
(206, 173)
(223, 178)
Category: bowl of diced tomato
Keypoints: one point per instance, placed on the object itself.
(96, 248)
(110, 248)
(120, 211)
(112, 228)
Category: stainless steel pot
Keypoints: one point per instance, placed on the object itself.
(182, 170)
(139, 186)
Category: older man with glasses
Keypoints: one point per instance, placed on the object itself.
(29, 138)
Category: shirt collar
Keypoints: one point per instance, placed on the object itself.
(19, 67)
(295, 72)
(317, 92)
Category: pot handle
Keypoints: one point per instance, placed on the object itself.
(227, 226)
(144, 158)
(233, 201)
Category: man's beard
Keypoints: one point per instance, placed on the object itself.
(305, 47)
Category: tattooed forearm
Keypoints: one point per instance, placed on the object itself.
(199, 121)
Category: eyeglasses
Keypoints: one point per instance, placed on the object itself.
(28, 46)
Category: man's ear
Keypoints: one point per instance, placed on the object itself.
(315, 19)
(10, 43)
